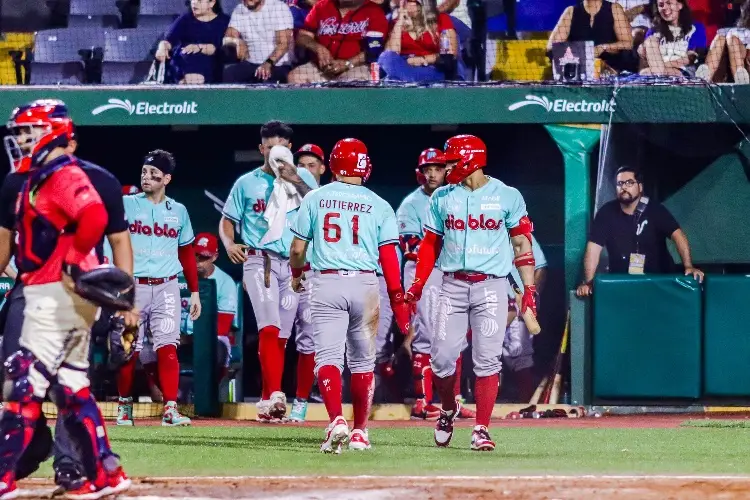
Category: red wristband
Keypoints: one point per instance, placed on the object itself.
(297, 272)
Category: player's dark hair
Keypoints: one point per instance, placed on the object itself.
(633, 170)
(161, 159)
(276, 128)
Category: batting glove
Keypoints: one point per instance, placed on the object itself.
(529, 299)
(414, 293)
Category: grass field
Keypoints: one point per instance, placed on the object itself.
(407, 450)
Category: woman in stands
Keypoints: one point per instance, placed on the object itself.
(671, 46)
(192, 43)
(413, 46)
(729, 46)
(603, 23)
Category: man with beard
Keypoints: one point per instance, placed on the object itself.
(634, 230)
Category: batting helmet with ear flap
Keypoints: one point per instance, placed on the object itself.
(107, 286)
(430, 156)
(49, 115)
(349, 158)
(471, 154)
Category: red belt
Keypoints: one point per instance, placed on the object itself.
(154, 281)
(307, 267)
(255, 251)
(470, 277)
(337, 271)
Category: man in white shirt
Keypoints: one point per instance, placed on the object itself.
(261, 31)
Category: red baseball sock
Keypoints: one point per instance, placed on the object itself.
(169, 371)
(329, 383)
(444, 386)
(422, 372)
(305, 374)
(457, 381)
(525, 384)
(363, 387)
(268, 353)
(485, 393)
(125, 377)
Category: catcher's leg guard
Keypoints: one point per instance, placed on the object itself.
(86, 426)
(23, 409)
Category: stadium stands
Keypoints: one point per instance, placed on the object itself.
(127, 55)
(93, 13)
(60, 56)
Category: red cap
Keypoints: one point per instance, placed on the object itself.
(206, 245)
(130, 190)
(310, 149)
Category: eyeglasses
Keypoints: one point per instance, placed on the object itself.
(627, 183)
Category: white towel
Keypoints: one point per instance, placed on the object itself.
(284, 197)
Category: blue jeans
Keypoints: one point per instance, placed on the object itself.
(396, 68)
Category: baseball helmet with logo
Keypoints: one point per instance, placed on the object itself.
(35, 130)
(469, 151)
(431, 156)
(349, 158)
(312, 150)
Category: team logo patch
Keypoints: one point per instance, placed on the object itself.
(489, 327)
(202, 242)
(171, 219)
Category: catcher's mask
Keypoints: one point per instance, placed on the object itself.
(108, 287)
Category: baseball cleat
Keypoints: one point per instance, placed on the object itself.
(277, 406)
(9, 490)
(299, 410)
(117, 482)
(87, 491)
(424, 411)
(444, 426)
(125, 412)
(480, 439)
(172, 417)
(337, 433)
(359, 440)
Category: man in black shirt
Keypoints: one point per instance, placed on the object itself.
(635, 231)
(67, 463)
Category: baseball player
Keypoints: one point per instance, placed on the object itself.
(310, 157)
(266, 266)
(206, 252)
(351, 228)
(518, 348)
(469, 228)
(410, 215)
(54, 247)
(162, 238)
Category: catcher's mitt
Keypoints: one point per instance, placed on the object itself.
(121, 342)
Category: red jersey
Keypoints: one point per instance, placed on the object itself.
(61, 199)
(426, 44)
(342, 36)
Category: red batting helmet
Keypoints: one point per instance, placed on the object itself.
(349, 158)
(469, 151)
(310, 149)
(431, 156)
(35, 130)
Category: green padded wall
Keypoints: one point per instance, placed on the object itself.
(726, 336)
(647, 337)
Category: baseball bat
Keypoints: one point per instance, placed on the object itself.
(528, 317)
(552, 393)
(539, 389)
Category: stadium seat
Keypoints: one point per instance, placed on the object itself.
(163, 7)
(84, 21)
(518, 60)
(130, 45)
(94, 8)
(124, 73)
(70, 73)
(65, 45)
(156, 23)
(13, 43)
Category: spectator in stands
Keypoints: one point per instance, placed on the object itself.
(413, 47)
(634, 230)
(729, 45)
(603, 23)
(192, 42)
(261, 32)
(300, 9)
(333, 32)
(671, 46)
(638, 13)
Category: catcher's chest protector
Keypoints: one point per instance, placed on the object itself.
(37, 235)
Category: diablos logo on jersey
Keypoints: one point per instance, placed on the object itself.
(259, 206)
(159, 231)
(474, 224)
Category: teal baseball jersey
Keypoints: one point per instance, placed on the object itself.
(347, 224)
(540, 262)
(411, 213)
(474, 226)
(226, 299)
(156, 230)
(247, 203)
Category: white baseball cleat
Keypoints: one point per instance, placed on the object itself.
(481, 440)
(262, 407)
(359, 440)
(337, 433)
(277, 406)
(444, 426)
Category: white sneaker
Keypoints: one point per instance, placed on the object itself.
(359, 440)
(263, 407)
(742, 77)
(703, 72)
(277, 406)
(337, 433)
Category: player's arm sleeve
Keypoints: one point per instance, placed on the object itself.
(186, 256)
(302, 227)
(516, 209)
(227, 307)
(388, 230)
(433, 219)
(234, 208)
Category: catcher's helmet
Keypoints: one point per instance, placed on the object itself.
(108, 287)
(431, 156)
(471, 154)
(35, 130)
(349, 158)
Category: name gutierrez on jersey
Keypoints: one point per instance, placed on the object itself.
(345, 205)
